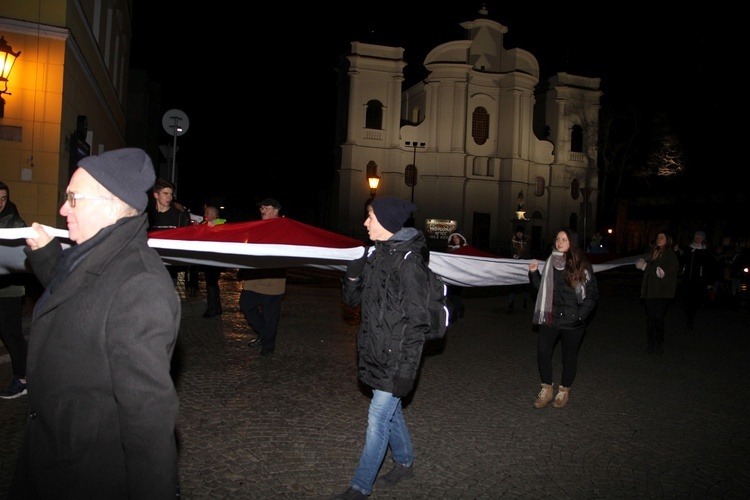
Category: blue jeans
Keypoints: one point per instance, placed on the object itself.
(385, 427)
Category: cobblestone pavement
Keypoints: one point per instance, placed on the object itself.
(292, 426)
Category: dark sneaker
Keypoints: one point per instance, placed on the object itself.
(254, 342)
(16, 389)
(352, 494)
(396, 474)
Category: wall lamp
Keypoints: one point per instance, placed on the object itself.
(7, 59)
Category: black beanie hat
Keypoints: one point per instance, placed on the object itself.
(126, 173)
(392, 212)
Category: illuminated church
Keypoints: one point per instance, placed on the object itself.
(480, 144)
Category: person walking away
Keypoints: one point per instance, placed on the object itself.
(102, 403)
(456, 240)
(520, 251)
(212, 273)
(165, 215)
(658, 288)
(697, 276)
(388, 283)
(565, 303)
(12, 290)
(262, 293)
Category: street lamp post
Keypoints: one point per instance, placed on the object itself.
(586, 193)
(410, 174)
(520, 212)
(175, 123)
(373, 180)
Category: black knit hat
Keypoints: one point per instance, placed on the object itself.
(126, 173)
(392, 212)
(269, 202)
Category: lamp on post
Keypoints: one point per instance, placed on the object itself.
(374, 182)
(410, 174)
(520, 212)
(7, 59)
(586, 193)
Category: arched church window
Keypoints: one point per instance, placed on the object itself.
(576, 139)
(480, 125)
(374, 115)
(539, 186)
(575, 189)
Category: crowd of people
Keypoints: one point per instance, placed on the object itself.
(97, 365)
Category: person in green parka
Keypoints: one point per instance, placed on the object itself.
(658, 288)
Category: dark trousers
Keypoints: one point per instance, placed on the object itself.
(192, 280)
(454, 295)
(262, 314)
(213, 294)
(521, 288)
(656, 313)
(11, 331)
(545, 346)
(693, 296)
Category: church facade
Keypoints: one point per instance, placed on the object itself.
(480, 144)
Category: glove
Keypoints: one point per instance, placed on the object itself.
(640, 264)
(354, 268)
(402, 386)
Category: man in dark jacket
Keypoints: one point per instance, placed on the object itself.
(165, 214)
(698, 273)
(102, 403)
(388, 282)
(12, 290)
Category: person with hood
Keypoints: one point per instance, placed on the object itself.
(697, 275)
(388, 283)
(566, 299)
(658, 288)
(12, 290)
(456, 240)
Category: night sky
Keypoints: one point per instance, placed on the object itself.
(684, 63)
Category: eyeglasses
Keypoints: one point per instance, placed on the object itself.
(3, 198)
(72, 197)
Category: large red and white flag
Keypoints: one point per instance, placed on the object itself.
(284, 242)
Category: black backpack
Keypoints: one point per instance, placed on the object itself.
(438, 304)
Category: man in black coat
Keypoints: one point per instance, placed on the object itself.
(389, 283)
(698, 273)
(102, 403)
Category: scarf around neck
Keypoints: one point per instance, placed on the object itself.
(543, 306)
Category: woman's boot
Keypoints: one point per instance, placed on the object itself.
(562, 397)
(544, 396)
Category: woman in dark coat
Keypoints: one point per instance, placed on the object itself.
(658, 288)
(565, 303)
